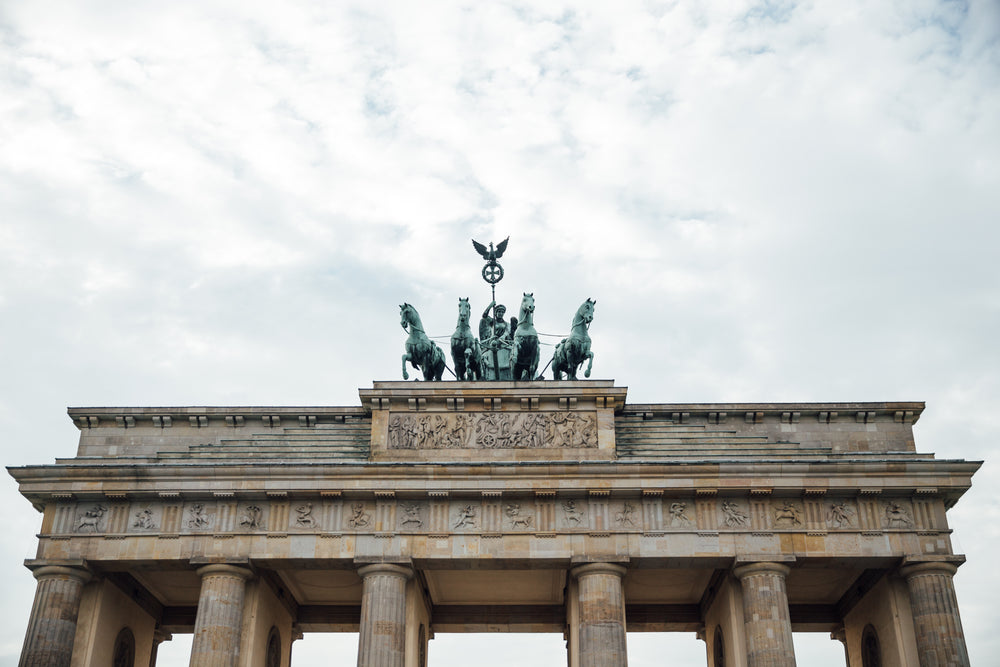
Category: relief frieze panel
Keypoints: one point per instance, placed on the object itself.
(492, 513)
(841, 514)
(493, 430)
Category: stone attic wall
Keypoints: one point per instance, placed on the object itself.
(641, 431)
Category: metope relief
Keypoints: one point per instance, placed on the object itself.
(573, 513)
(144, 519)
(198, 517)
(91, 520)
(840, 514)
(465, 516)
(734, 516)
(359, 516)
(787, 514)
(304, 516)
(517, 517)
(410, 516)
(678, 516)
(625, 516)
(493, 430)
(252, 517)
(897, 516)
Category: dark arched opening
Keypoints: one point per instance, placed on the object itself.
(273, 656)
(124, 653)
(871, 652)
(718, 648)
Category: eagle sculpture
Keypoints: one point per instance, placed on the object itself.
(490, 254)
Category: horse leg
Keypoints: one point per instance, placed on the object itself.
(406, 357)
(534, 365)
(590, 364)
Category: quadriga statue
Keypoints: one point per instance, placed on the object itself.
(422, 353)
(573, 350)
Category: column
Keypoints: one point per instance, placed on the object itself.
(52, 626)
(159, 636)
(382, 638)
(765, 613)
(938, 627)
(216, 640)
(602, 615)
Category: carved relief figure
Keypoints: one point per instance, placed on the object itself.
(513, 512)
(626, 515)
(91, 518)
(787, 514)
(144, 519)
(677, 515)
(839, 515)
(359, 517)
(197, 517)
(571, 512)
(734, 516)
(569, 429)
(467, 517)
(304, 517)
(251, 518)
(896, 516)
(493, 430)
(411, 515)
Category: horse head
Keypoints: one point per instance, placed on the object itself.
(464, 310)
(407, 315)
(586, 311)
(527, 304)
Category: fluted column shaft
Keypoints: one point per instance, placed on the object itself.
(382, 640)
(602, 615)
(765, 613)
(220, 615)
(940, 640)
(52, 626)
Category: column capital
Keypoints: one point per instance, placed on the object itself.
(390, 569)
(598, 568)
(909, 570)
(761, 567)
(224, 569)
(78, 573)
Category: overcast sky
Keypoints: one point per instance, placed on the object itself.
(224, 203)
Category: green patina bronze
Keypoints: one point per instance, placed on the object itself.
(465, 351)
(572, 351)
(526, 352)
(422, 353)
(505, 350)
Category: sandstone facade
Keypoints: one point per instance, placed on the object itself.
(523, 507)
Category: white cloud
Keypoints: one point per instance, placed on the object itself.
(768, 201)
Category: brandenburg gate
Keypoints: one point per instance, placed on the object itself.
(499, 502)
(473, 506)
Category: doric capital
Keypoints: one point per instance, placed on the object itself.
(386, 569)
(46, 571)
(598, 568)
(763, 567)
(930, 564)
(222, 569)
(929, 567)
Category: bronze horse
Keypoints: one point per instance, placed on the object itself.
(524, 358)
(572, 351)
(421, 351)
(465, 352)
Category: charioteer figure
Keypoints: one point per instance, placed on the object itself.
(495, 326)
(496, 336)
